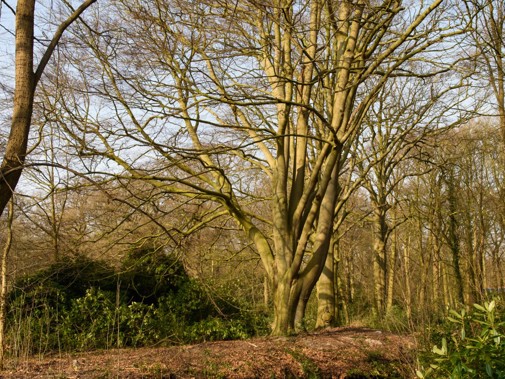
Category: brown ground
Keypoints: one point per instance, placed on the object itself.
(331, 353)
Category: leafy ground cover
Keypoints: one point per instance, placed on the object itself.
(350, 352)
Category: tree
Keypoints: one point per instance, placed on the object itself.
(3, 279)
(407, 113)
(235, 97)
(488, 29)
(26, 80)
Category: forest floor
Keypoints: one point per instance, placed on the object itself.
(330, 353)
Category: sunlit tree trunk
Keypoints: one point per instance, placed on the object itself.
(326, 292)
(26, 80)
(4, 282)
(406, 275)
(448, 301)
(15, 151)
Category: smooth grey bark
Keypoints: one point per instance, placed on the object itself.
(326, 295)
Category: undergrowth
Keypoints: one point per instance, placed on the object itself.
(472, 345)
(80, 304)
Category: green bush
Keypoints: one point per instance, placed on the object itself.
(152, 300)
(147, 275)
(475, 348)
(71, 276)
(89, 322)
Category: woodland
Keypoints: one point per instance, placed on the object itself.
(182, 171)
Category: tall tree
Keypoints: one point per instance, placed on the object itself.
(488, 42)
(234, 97)
(4, 280)
(26, 80)
(407, 113)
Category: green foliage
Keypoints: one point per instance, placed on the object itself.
(151, 301)
(64, 280)
(474, 349)
(396, 320)
(89, 322)
(150, 274)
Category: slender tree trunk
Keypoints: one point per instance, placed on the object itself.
(380, 262)
(453, 238)
(341, 300)
(470, 262)
(266, 293)
(448, 303)
(342, 312)
(480, 240)
(406, 274)
(426, 265)
(349, 278)
(437, 274)
(393, 257)
(4, 283)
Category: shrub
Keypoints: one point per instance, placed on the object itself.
(151, 301)
(63, 281)
(89, 323)
(150, 274)
(475, 349)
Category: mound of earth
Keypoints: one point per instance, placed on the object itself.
(330, 353)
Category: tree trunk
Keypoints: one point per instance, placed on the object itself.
(294, 284)
(437, 274)
(448, 303)
(25, 82)
(406, 274)
(453, 238)
(3, 280)
(326, 293)
(322, 242)
(380, 261)
(393, 256)
(342, 311)
(266, 292)
(284, 312)
(15, 151)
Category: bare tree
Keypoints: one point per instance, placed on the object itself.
(407, 114)
(26, 80)
(488, 42)
(238, 97)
